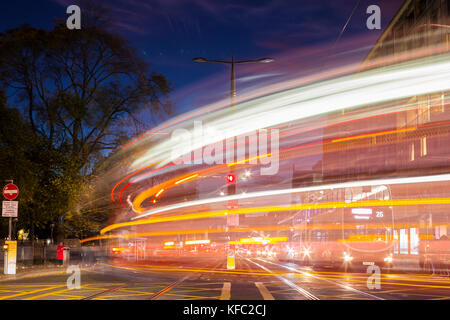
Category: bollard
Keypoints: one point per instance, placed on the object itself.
(231, 261)
(10, 257)
(5, 259)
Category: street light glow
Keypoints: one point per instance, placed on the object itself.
(199, 60)
(266, 60)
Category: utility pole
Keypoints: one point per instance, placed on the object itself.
(10, 218)
(232, 220)
(231, 187)
(9, 209)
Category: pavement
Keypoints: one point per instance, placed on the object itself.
(35, 271)
(207, 278)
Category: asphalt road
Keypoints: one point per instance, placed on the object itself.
(201, 278)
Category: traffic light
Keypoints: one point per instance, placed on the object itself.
(231, 188)
(231, 178)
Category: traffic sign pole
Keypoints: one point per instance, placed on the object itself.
(9, 209)
(10, 221)
(10, 228)
(10, 192)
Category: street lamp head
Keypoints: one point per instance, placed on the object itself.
(266, 60)
(199, 60)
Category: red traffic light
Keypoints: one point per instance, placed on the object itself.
(231, 178)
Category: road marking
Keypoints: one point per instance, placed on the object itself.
(68, 295)
(57, 293)
(129, 296)
(53, 293)
(31, 292)
(106, 291)
(168, 288)
(264, 292)
(215, 270)
(329, 281)
(226, 291)
(300, 290)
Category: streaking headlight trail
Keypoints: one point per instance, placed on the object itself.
(395, 82)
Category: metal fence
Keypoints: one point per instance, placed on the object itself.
(42, 253)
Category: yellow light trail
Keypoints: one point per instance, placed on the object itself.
(272, 240)
(272, 193)
(186, 179)
(249, 159)
(348, 277)
(168, 184)
(331, 275)
(213, 170)
(175, 181)
(159, 192)
(371, 135)
(348, 226)
(138, 201)
(397, 82)
(321, 205)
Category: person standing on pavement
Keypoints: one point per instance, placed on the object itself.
(60, 253)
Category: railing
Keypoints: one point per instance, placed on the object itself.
(42, 253)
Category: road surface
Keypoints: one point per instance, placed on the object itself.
(206, 278)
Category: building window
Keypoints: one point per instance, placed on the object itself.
(411, 152)
(440, 231)
(414, 240)
(396, 242)
(404, 241)
(423, 146)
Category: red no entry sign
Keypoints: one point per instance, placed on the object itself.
(10, 191)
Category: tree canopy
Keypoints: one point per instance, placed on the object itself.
(72, 96)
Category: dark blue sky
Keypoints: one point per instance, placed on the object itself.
(169, 33)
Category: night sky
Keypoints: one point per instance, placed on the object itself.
(169, 33)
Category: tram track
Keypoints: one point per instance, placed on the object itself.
(107, 291)
(154, 296)
(167, 288)
(175, 283)
(294, 286)
(326, 280)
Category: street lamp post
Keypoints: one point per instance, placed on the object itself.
(233, 76)
(231, 186)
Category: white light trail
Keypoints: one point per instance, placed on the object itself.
(197, 242)
(392, 181)
(362, 211)
(409, 79)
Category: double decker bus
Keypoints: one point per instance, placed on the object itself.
(343, 237)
